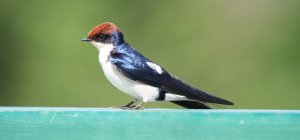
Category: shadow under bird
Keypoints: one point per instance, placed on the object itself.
(139, 77)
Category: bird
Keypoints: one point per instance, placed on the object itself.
(145, 81)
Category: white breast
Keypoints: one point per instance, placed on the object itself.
(135, 89)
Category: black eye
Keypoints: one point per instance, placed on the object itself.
(101, 37)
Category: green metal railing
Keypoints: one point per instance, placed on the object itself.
(26, 123)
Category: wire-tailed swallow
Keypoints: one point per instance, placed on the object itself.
(139, 77)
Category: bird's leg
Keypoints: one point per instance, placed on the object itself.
(128, 106)
(139, 106)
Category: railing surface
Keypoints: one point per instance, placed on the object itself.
(41, 123)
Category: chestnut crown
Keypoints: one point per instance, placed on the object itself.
(107, 33)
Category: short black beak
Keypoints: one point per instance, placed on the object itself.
(86, 39)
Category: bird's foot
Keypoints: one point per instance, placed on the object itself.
(129, 107)
(124, 107)
(132, 108)
(137, 108)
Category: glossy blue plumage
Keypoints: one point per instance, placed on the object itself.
(134, 65)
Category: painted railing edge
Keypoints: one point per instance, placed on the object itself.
(83, 109)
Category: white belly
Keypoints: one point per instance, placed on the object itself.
(135, 89)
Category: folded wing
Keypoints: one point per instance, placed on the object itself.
(134, 65)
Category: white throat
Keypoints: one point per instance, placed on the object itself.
(102, 46)
(104, 52)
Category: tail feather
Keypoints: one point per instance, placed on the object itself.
(191, 104)
(179, 87)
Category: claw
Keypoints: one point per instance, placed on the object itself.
(137, 108)
(123, 107)
(126, 107)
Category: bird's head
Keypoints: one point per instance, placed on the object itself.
(105, 34)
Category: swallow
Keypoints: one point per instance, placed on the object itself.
(134, 74)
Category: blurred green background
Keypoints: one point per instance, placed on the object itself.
(244, 51)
